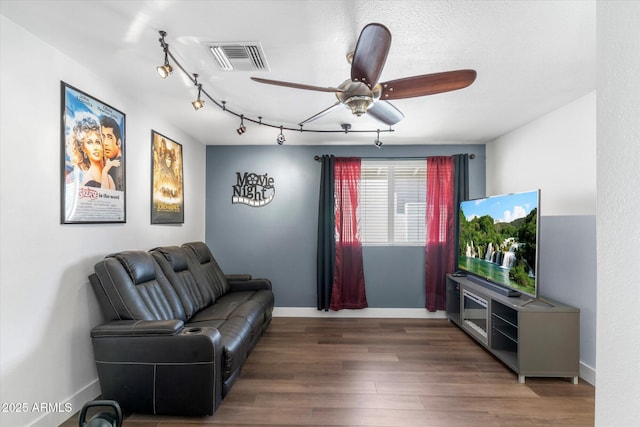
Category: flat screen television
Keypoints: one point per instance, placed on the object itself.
(498, 240)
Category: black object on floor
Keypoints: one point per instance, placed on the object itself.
(101, 419)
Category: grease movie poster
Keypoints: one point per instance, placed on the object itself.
(93, 172)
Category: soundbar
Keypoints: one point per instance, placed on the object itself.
(495, 288)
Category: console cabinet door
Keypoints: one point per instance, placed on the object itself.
(549, 344)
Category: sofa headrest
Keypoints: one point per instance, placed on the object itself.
(201, 251)
(139, 265)
(175, 255)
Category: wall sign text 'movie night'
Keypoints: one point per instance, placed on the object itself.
(253, 190)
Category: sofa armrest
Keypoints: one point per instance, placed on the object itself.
(138, 327)
(238, 277)
(159, 367)
(249, 285)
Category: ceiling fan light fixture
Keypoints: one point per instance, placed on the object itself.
(359, 104)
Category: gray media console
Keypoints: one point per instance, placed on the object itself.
(533, 337)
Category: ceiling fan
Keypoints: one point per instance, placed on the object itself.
(362, 93)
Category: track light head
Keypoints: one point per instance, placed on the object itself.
(280, 138)
(377, 141)
(198, 103)
(165, 70)
(242, 129)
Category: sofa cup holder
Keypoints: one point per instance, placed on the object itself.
(192, 331)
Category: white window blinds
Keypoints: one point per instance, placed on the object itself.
(392, 202)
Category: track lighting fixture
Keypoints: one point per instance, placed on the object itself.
(165, 69)
(377, 141)
(198, 103)
(242, 129)
(281, 137)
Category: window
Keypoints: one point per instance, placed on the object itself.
(392, 202)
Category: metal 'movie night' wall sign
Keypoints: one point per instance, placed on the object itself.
(253, 190)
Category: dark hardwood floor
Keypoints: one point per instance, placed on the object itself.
(383, 372)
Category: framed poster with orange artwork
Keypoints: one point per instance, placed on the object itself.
(167, 189)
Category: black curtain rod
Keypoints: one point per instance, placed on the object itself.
(318, 158)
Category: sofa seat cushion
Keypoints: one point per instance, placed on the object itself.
(257, 310)
(253, 306)
(223, 308)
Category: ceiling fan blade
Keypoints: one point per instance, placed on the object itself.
(321, 113)
(370, 54)
(385, 112)
(296, 85)
(427, 84)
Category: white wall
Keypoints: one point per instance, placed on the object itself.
(555, 153)
(47, 307)
(618, 150)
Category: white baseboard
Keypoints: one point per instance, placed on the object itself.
(390, 313)
(588, 373)
(87, 394)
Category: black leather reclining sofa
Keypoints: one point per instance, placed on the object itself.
(179, 330)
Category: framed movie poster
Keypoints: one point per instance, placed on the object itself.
(92, 137)
(167, 190)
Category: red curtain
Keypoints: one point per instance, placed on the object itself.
(348, 280)
(440, 242)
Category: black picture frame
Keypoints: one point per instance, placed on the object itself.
(93, 175)
(167, 180)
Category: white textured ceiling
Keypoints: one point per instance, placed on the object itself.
(531, 58)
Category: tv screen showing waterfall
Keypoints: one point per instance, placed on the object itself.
(498, 240)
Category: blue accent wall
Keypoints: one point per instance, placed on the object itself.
(567, 271)
(278, 241)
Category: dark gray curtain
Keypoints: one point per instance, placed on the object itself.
(326, 234)
(460, 192)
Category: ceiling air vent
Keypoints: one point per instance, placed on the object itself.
(239, 56)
